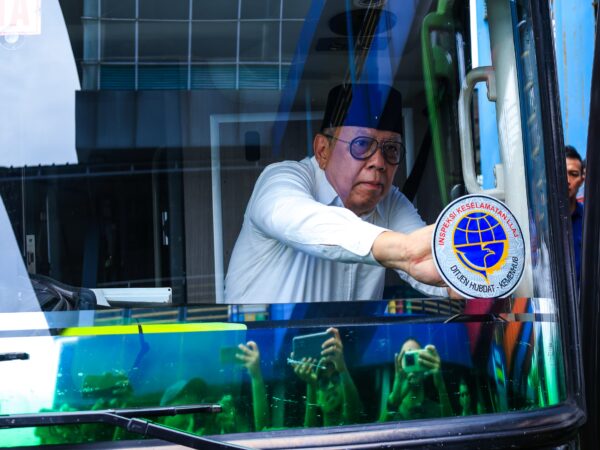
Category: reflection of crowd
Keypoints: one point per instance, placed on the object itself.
(409, 398)
(330, 391)
(324, 391)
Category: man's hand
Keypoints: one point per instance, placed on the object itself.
(410, 253)
(333, 350)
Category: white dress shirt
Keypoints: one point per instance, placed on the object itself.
(298, 242)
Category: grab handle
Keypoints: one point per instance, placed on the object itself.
(487, 74)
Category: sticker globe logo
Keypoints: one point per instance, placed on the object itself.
(478, 247)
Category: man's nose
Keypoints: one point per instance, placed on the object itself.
(377, 161)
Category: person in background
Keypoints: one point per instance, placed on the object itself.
(409, 398)
(326, 227)
(468, 398)
(250, 357)
(575, 178)
(187, 392)
(331, 395)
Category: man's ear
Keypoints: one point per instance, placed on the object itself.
(322, 149)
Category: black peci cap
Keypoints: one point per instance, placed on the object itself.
(377, 106)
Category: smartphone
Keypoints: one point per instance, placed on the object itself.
(227, 355)
(309, 345)
(410, 361)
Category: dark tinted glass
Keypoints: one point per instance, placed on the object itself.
(204, 36)
(259, 41)
(296, 9)
(260, 9)
(118, 41)
(217, 10)
(163, 41)
(289, 43)
(121, 9)
(160, 9)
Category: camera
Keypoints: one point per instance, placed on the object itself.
(410, 361)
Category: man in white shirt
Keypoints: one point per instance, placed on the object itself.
(325, 228)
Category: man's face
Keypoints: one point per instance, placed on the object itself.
(574, 176)
(360, 184)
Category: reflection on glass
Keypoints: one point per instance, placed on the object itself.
(259, 41)
(261, 9)
(183, 105)
(203, 38)
(120, 9)
(411, 397)
(504, 358)
(221, 10)
(163, 41)
(117, 40)
(157, 9)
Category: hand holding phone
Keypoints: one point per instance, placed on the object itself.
(309, 345)
(228, 355)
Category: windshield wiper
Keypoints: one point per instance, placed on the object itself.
(13, 356)
(129, 420)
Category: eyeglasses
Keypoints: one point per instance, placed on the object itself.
(363, 147)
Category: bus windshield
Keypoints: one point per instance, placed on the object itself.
(226, 203)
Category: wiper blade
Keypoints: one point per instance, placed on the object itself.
(129, 420)
(13, 356)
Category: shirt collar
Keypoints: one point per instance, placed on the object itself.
(327, 195)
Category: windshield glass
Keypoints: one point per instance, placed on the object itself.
(226, 203)
(420, 359)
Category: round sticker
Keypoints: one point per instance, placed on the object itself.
(478, 247)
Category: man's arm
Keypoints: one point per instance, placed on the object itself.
(283, 207)
(410, 253)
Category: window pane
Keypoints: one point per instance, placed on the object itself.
(218, 10)
(160, 9)
(117, 77)
(259, 77)
(259, 41)
(163, 41)
(117, 41)
(120, 9)
(296, 9)
(260, 9)
(291, 33)
(214, 41)
(182, 175)
(163, 77)
(213, 77)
